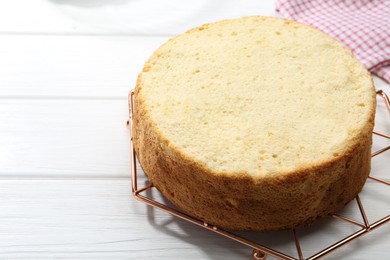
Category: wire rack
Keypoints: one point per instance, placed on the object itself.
(260, 251)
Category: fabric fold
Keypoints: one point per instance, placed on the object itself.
(362, 25)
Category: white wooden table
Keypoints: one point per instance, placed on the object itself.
(66, 67)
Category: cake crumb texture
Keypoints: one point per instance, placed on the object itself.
(255, 123)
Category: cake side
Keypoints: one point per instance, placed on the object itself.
(242, 203)
(273, 196)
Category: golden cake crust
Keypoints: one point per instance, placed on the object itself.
(241, 201)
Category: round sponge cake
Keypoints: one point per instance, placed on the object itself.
(255, 123)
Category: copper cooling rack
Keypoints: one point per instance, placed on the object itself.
(259, 251)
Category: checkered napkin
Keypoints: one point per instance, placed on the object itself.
(362, 25)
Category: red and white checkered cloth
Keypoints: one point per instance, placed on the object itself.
(362, 25)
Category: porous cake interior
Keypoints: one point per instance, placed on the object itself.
(260, 99)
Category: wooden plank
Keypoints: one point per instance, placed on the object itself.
(68, 138)
(120, 17)
(76, 66)
(72, 66)
(84, 137)
(98, 219)
(95, 219)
